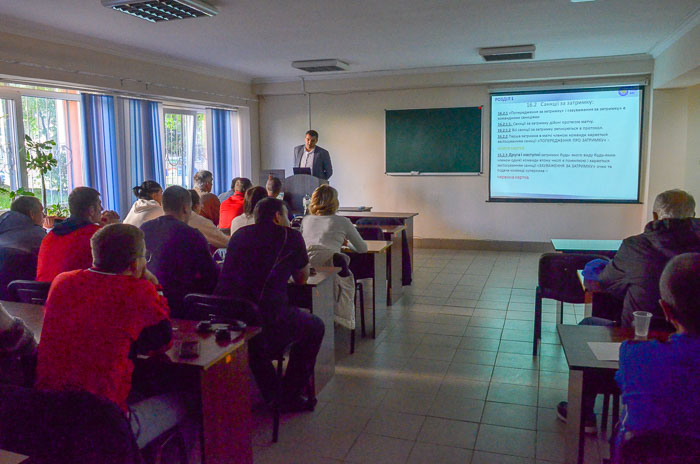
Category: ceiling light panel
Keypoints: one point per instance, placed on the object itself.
(162, 10)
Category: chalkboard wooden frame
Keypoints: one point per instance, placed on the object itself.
(455, 135)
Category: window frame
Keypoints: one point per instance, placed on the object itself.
(187, 110)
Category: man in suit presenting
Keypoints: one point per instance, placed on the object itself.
(312, 156)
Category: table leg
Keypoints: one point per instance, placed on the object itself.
(574, 432)
(323, 307)
(226, 410)
(395, 279)
(379, 287)
(408, 232)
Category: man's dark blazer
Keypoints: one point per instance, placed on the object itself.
(322, 168)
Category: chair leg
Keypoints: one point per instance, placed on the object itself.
(278, 402)
(352, 341)
(560, 308)
(538, 321)
(606, 411)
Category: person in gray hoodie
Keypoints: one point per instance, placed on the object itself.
(21, 226)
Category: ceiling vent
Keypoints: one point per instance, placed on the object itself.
(320, 65)
(162, 10)
(515, 52)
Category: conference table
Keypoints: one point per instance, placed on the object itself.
(583, 364)
(219, 375)
(603, 247)
(406, 219)
(372, 265)
(316, 295)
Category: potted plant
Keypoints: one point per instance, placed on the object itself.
(40, 158)
(55, 213)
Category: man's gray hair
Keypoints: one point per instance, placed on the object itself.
(674, 204)
(201, 178)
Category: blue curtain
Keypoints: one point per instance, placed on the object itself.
(146, 146)
(222, 150)
(100, 163)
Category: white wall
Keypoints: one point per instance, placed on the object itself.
(351, 127)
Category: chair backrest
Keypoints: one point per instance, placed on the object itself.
(198, 307)
(29, 291)
(65, 427)
(370, 232)
(659, 448)
(557, 277)
(15, 264)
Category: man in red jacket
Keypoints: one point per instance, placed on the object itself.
(67, 246)
(233, 205)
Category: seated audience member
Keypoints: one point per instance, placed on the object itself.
(98, 320)
(210, 204)
(214, 236)
(233, 206)
(273, 187)
(17, 351)
(325, 233)
(252, 197)
(660, 382)
(259, 262)
(633, 274)
(21, 226)
(180, 254)
(228, 193)
(67, 246)
(148, 204)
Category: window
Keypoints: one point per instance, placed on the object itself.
(42, 114)
(185, 146)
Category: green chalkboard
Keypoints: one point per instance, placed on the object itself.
(433, 141)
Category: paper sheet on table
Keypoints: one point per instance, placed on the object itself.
(605, 351)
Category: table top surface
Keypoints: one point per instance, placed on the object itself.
(566, 244)
(211, 351)
(574, 339)
(7, 457)
(355, 209)
(373, 246)
(378, 214)
(322, 273)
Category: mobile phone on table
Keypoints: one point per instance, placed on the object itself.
(189, 348)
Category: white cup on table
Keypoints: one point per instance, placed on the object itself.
(642, 319)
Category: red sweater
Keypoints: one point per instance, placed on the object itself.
(65, 252)
(91, 321)
(231, 208)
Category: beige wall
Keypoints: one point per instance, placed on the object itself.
(351, 127)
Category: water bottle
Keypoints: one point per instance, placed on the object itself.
(306, 202)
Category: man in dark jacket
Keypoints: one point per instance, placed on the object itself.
(21, 226)
(633, 275)
(180, 255)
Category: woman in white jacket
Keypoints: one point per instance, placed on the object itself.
(325, 233)
(252, 196)
(148, 206)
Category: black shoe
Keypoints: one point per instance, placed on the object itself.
(589, 422)
(298, 403)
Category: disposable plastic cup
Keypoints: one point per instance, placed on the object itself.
(642, 319)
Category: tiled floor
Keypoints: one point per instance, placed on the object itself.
(450, 377)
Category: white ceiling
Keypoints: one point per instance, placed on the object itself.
(260, 38)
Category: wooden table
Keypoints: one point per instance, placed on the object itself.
(7, 457)
(220, 375)
(406, 220)
(372, 264)
(316, 295)
(582, 363)
(393, 234)
(355, 209)
(603, 247)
